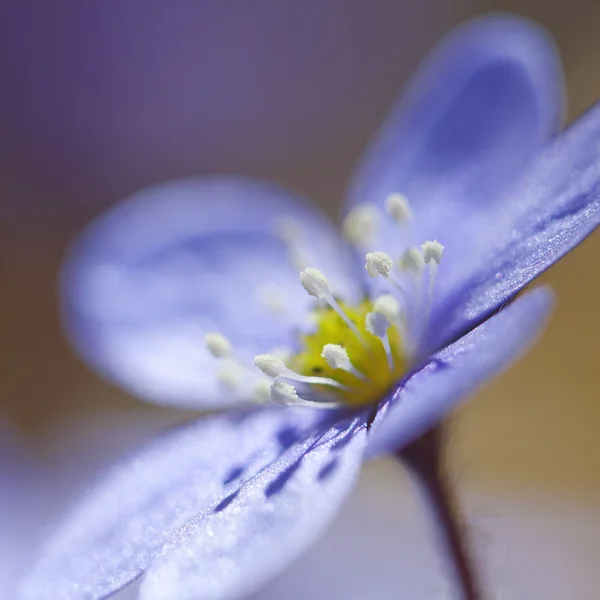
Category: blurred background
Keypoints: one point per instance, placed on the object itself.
(98, 99)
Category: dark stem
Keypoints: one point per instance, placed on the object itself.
(424, 459)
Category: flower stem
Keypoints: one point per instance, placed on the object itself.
(424, 459)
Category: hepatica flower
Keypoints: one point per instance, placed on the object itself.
(217, 293)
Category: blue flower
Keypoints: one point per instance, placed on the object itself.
(461, 201)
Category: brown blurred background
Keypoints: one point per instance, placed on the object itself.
(101, 98)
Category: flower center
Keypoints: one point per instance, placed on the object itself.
(353, 354)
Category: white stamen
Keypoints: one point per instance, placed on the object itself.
(218, 345)
(273, 367)
(412, 261)
(283, 393)
(298, 257)
(379, 263)
(261, 392)
(378, 324)
(432, 252)
(229, 374)
(315, 283)
(360, 226)
(336, 357)
(398, 208)
(388, 306)
(270, 365)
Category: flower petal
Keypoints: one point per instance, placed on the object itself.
(554, 208)
(116, 529)
(477, 112)
(146, 281)
(230, 551)
(457, 372)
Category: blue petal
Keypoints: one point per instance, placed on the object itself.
(458, 371)
(117, 528)
(477, 112)
(146, 281)
(556, 205)
(230, 552)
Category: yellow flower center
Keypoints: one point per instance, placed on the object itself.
(367, 354)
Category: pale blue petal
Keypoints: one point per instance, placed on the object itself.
(478, 111)
(228, 553)
(426, 397)
(112, 534)
(554, 208)
(146, 280)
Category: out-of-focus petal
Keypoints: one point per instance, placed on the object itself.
(477, 112)
(114, 532)
(456, 372)
(475, 116)
(554, 208)
(231, 550)
(145, 281)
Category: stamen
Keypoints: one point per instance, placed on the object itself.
(288, 229)
(315, 283)
(361, 224)
(337, 357)
(283, 393)
(378, 324)
(412, 261)
(398, 208)
(274, 367)
(261, 392)
(229, 374)
(218, 345)
(388, 306)
(379, 263)
(432, 255)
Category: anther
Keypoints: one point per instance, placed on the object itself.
(412, 261)
(315, 283)
(274, 367)
(432, 252)
(261, 392)
(378, 324)
(218, 345)
(271, 298)
(360, 226)
(387, 306)
(229, 374)
(283, 393)
(379, 263)
(398, 208)
(337, 357)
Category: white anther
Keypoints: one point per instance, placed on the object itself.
(379, 263)
(270, 365)
(261, 392)
(229, 374)
(288, 229)
(314, 282)
(377, 324)
(336, 357)
(283, 393)
(360, 226)
(432, 252)
(412, 261)
(387, 306)
(398, 208)
(218, 345)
